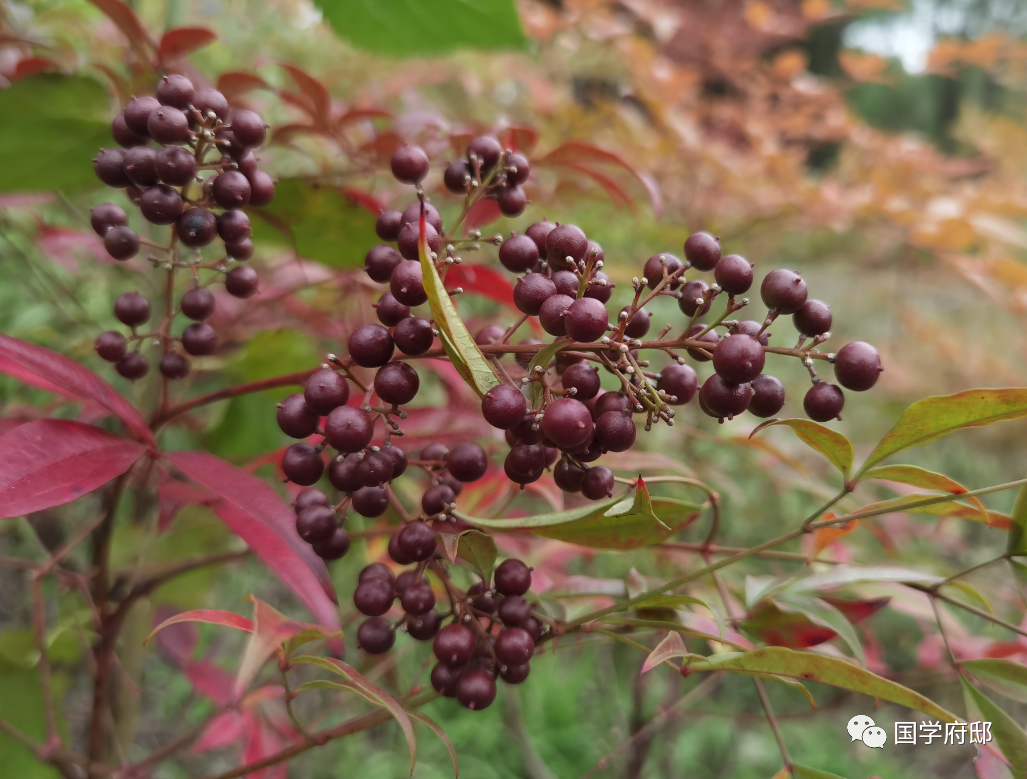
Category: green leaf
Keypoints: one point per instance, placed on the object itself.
(918, 477)
(933, 418)
(417, 28)
(51, 127)
(479, 551)
(21, 705)
(823, 613)
(669, 602)
(675, 627)
(458, 343)
(826, 670)
(1016, 544)
(602, 525)
(805, 772)
(1008, 735)
(831, 444)
(641, 505)
(318, 222)
(842, 575)
(948, 508)
(1003, 676)
(429, 723)
(542, 359)
(973, 592)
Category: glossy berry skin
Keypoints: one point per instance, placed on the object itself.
(407, 284)
(476, 690)
(751, 328)
(105, 216)
(444, 678)
(539, 232)
(454, 645)
(514, 646)
(711, 338)
(567, 423)
(457, 176)
(309, 497)
(784, 291)
(249, 128)
(199, 339)
(396, 383)
(724, 399)
(335, 547)
(424, 626)
(489, 334)
(654, 267)
(295, 418)
(232, 190)
(410, 164)
(137, 114)
(512, 201)
(132, 366)
(388, 223)
(638, 325)
(611, 401)
(566, 241)
(702, 250)
(140, 166)
(412, 215)
(413, 336)
(349, 429)
(553, 316)
(121, 243)
(600, 287)
(371, 346)
(768, 396)
(343, 473)
(823, 402)
(598, 483)
(437, 499)
(512, 577)
(168, 125)
(174, 366)
(197, 227)
(518, 169)
(504, 406)
(234, 226)
(587, 320)
(566, 283)
(467, 462)
(175, 90)
(111, 346)
(739, 359)
(690, 293)
(197, 303)
(487, 150)
(109, 165)
(515, 674)
(417, 541)
(615, 432)
(531, 292)
(410, 236)
(514, 610)
(376, 636)
(302, 464)
(262, 188)
(583, 378)
(132, 309)
(568, 476)
(208, 100)
(395, 553)
(325, 391)
(370, 501)
(124, 136)
(525, 463)
(734, 274)
(417, 599)
(518, 254)
(316, 524)
(814, 318)
(380, 262)
(678, 381)
(161, 205)
(857, 366)
(175, 166)
(376, 571)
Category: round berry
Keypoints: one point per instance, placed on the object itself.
(768, 396)
(734, 274)
(132, 309)
(325, 391)
(376, 571)
(527, 431)
(514, 646)
(504, 406)
(600, 287)
(410, 164)
(568, 476)
(437, 499)
(531, 292)
(566, 283)
(444, 678)
(376, 636)
(454, 645)
(137, 114)
(814, 318)
(316, 523)
(231, 190)
(515, 674)
(197, 227)
(587, 320)
(857, 366)
(710, 337)
(611, 401)
(174, 366)
(424, 626)
(691, 293)
(739, 359)
(395, 553)
(234, 226)
(410, 237)
(517, 169)
(121, 243)
(197, 303)
(168, 125)
(417, 541)
(413, 336)
(109, 165)
(412, 215)
(371, 346)
(123, 136)
(702, 250)
(751, 328)
(111, 346)
(467, 462)
(388, 223)
(262, 188)
(724, 399)
(583, 378)
(489, 334)
(458, 176)
(615, 432)
(598, 483)
(481, 599)
(534, 627)
(512, 201)
(249, 128)
(407, 283)
(655, 266)
(784, 291)
(175, 90)
(638, 325)
(487, 149)
(514, 610)
(302, 464)
(525, 463)
(434, 452)
(210, 101)
(105, 216)
(141, 166)
(390, 311)
(398, 458)
(349, 429)
(334, 547)
(417, 599)
(567, 423)
(565, 241)
(132, 366)
(823, 402)
(512, 577)
(161, 205)
(539, 232)
(476, 690)
(295, 418)
(396, 383)
(343, 473)
(381, 261)
(678, 381)
(370, 501)
(552, 315)
(241, 282)
(309, 497)
(175, 166)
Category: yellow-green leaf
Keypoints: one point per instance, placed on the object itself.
(948, 508)
(1003, 676)
(919, 477)
(478, 550)
(830, 443)
(429, 723)
(823, 613)
(1016, 544)
(1009, 736)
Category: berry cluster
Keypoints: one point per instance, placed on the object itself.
(166, 184)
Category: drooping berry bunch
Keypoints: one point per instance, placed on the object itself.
(184, 155)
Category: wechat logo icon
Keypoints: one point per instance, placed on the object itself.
(862, 728)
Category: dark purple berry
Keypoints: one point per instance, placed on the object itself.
(262, 188)
(168, 125)
(751, 328)
(489, 334)
(208, 100)
(739, 359)
(587, 320)
(531, 292)
(424, 626)
(598, 483)
(552, 315)
(611, 401)
(568, 476)
(566, 283)
(784, 291)
(527, 431)
(467, 462)
(175, 90)
(241, 282)
(417, 599)
(343, 473)
(504, 406)
(514, 646)
(444, 678)
(539, 233)
(137, 114)
(231, 190)
(390, 311)
(412, 215)
(316, 523)
(638, 325)
(583, 378)
(525, 463)
(600, 287)
(476, 690)
(388, 223)
(407, 284)
(823, 402)
(567, 423)
(132, 366)
(197, 227)
(161, 205)
(517, 169)
(334, 547)
(487, 150)
(396, 383)
(123, 136)
(654, 269)
(515, 674)
(436, 500)
(174, 366)
(814, 318)
(105, 216)
(381, 261)
(458, 175)
(376, 571)
(724, 399)
(454, 645)
(702, 250)
(234, 226)
(307, 497)
(249, 128)
(132, 309)
(768, 396)
(109, 165)
(857, 366)
(710, 337)
(376, 636)
(302, 464)
(615, 432)
(325, 391)
(689, 295)
(417, 541)
(410, 237)
(514, 610)
(512, 577)
(678, 381)
(349, 429)
(512, 201)
(111, 346)
(295, 418)
(734, 274)
(434, 451)
(410, 164)
(141, 166)
(413, 336)
(371, 346)
(566, 241)
(395, 552)
(370, 501)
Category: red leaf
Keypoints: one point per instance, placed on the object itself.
(177, 643)
(575, 153)
(284, 134)
(174, 496)
(365, 199)
(616, 192)
(234, 84)
(360, 114)
(522, 139)
(857, 610)
(31, 65)
(50, 462)
(220, 617)
(54, 372)
(7, 424)
(482, 280)
(482, 213)
(184, 40)
(315, 91)
(211, 680)
(224, 730)
(126, 20)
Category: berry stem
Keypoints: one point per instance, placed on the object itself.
(476, 194)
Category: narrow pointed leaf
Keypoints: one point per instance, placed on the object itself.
(478, 550)
(918, 477)
(210, 616)
(1016, 544)
(950, 508)
(842, 575)
(685, 629)
(429, 723)
(936, 417)
(184, 40)
(271, 630)
(1009, 736)
(670, 647)
(825, 614)
(641, 505)
(831, 444)
(1003, 676)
